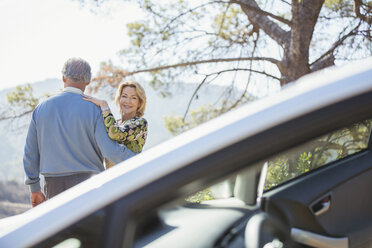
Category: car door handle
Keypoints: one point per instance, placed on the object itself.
(317, 240)
(322, 205)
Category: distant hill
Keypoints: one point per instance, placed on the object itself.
(8, 209)
(14, 196)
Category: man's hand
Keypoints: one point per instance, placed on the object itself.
(37, 198)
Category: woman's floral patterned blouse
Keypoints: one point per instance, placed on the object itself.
(132, 133)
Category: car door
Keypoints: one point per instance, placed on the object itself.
(324, 192)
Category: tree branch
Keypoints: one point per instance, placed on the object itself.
(248, 81)
(149, 8)
(217, 74)
(357, 5)
(329, 54)
(3, 118)
(283, 1)
(190, 11)
(193, 95)
(272, 29)
(244, 69)
(325, 62)
(262, 12)
(185, 64)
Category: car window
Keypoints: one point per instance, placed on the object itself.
(299, 160)
(317, 153)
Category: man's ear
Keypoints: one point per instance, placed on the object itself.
(64, 79)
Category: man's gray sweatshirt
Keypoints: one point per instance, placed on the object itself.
(67, 136)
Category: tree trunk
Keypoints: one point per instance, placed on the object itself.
(296, 42)
(295, 62)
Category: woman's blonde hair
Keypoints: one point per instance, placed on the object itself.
(140, 93)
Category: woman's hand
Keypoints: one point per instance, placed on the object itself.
(100, 103)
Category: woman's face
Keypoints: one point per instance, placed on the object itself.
(129, 102)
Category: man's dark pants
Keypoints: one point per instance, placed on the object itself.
(55, 185)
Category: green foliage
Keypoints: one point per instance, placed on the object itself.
(137, 31)
(177, 124)
(343, 7)
(23, 97)
(21, 103)
(278, 171)
(232, 26)
(157, 82)
(204, 195)
(304, 162)
(336, 4)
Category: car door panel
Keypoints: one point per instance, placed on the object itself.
(344, 186)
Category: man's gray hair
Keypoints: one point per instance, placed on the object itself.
(77, 70)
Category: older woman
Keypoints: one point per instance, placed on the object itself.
(131, 129)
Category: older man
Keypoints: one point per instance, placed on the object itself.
(67, 140)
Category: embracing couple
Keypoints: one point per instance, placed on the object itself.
(72, 134)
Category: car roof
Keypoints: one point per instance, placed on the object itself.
(309, 93)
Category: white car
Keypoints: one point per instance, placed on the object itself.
(291, 170)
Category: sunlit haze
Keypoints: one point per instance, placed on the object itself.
(36, 37)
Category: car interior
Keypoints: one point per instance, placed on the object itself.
(315, 194)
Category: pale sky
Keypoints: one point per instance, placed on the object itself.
(38, 36)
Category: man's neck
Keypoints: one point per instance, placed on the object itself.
(80, 86)
(73, 90)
